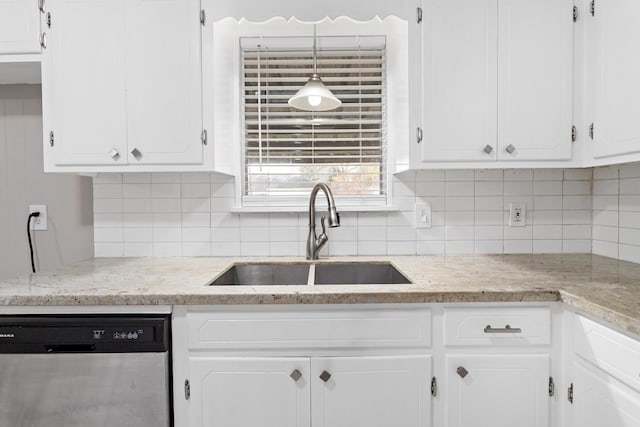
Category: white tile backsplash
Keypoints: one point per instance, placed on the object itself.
(616, 212)
(573, 210)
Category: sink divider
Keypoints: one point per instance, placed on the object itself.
(312, 275)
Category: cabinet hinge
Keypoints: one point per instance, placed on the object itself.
(434, 386)
(574, 134)
(593, 7)
(591, 131)
(203, 17)
(48, 19)
(575, 13)
(203, 137)
(418, 135)
(419, 15)
(552, 387)
(51, 139)
(570, 393)
(187, 389)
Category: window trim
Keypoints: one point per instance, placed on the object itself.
(227, 86)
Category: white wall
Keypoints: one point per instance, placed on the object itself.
(616, 211)
(22, 182)
(188, 214)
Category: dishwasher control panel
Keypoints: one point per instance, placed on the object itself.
(68, 334)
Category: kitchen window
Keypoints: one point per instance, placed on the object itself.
(288, 151)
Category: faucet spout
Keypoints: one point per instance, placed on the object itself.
(315, 242)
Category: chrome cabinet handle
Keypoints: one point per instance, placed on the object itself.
(510, 149)
(506, 330)
(488, 149)
(324, 376)
(115, 155)
(295, 375)
(43, 40)
(41, 5)
(136, 153)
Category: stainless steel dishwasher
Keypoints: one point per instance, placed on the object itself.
(85, 371)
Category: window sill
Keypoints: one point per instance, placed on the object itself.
(319, 207)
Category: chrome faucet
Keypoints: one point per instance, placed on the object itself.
(315, 242)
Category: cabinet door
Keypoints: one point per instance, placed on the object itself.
(249, 392)
(371, 391)
(164, 107)
(459, 86)
(19, 26)
(83, 82)
(599, 400)
(535, 78)
(498, 390)
(616, 37)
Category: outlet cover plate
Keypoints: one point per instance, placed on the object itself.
(39, 223)
(517, 214)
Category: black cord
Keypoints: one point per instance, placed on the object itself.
(31, 215)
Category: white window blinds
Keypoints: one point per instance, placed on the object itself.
(287, 151)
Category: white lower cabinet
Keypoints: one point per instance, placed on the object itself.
(599, 400)
(320, 391)
(404, 365)
(605, 376)
(497, 364)
(498, 390)
(249, 392)
(371, 391)
(296, 366)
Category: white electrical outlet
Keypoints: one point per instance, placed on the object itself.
(423, 216)
(517, 214)
(39, 223)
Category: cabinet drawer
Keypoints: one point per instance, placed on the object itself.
(611, 351)
(506, 326)
(295, 327)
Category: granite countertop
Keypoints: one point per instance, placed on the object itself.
(605, 288)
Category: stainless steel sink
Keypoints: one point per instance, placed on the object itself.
(331, 273)
(358, 273)
(260, 274)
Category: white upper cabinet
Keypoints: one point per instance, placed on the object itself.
(84, 84)
(164, 107)
(459, 80)
(614, 34)
(122, 86)
(497, 81)
(535, 78)
(19, 26)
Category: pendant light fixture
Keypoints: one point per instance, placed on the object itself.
(314, 96)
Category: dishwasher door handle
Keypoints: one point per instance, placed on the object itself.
(70, 348)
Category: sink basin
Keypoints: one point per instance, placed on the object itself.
(329, 273)
(260, 274)
(358, 273)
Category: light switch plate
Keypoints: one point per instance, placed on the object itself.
(423, 216)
